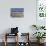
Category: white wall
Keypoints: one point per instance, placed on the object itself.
(24, 24)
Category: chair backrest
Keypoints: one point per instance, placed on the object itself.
(14, 30)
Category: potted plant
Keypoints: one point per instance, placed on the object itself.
(38, 27)
(39, 35)
(42, 27)
(35, 26)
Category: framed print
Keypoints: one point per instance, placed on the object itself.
(41, 12)
(41, 8)
(17, 12)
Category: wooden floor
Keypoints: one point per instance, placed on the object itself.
(13, 44)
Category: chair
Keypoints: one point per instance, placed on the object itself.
(14, 32)
(7, 35)
(25, 37)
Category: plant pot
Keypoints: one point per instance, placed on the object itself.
(40, 41)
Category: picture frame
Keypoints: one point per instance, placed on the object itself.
(17, 12)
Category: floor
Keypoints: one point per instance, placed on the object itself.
(13, 44)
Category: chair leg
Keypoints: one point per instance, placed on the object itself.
(5, 40)
(5, 43)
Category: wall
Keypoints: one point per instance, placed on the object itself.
(24, 24)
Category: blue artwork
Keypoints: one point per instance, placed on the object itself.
(17, 12)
